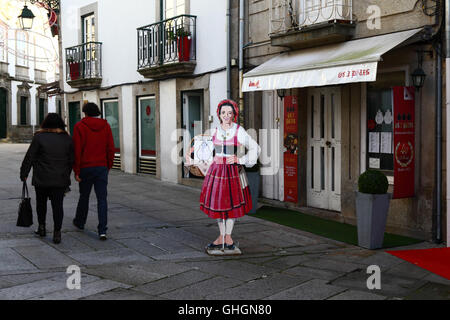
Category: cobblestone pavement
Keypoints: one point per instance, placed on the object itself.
(155, 250)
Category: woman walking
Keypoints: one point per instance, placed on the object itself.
(225, 194)
(51, 156)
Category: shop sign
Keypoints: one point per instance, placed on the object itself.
(404, 144)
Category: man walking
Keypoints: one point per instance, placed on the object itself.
(94, 155)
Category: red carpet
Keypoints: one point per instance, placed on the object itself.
(436, 260)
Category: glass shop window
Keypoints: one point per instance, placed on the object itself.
(380, 121)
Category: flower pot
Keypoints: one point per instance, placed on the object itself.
(74, 70)
(371, 213)
(184, 48)
(253, 183)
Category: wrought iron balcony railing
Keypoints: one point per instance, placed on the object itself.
(288, 15)
(84, 62)
(169, 41)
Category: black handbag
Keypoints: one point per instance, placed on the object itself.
(25, 218)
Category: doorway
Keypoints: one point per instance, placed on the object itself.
(3, 114)
(74, 115)
(110, 112)
(147, 135)
(271, 152)
(324, 148)
(192, 119)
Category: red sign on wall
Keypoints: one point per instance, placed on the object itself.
(291, 145)
(404, 146)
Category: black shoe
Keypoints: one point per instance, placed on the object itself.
(230, 247)
(103, 237)
(41, 231)
(76, 225)
(57, 237)
(213, 246)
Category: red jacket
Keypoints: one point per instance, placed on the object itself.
(93, 144)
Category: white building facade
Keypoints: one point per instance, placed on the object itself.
(29, 59)
(157, 70)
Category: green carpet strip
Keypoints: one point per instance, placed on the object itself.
(326, 228)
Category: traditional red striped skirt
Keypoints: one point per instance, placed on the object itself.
(222, 195)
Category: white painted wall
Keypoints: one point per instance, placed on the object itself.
(117, 24)
(14, 103)
(168, 120)
(129, 129)
(217, 93)
(211, 34)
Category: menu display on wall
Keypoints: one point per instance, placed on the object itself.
(291, 144)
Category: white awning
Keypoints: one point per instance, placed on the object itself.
(346, 62)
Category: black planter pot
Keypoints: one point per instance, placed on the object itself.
(253, 183)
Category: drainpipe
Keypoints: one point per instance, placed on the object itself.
(447, 104)
(241, 60)
(439, 144)
(228, 49)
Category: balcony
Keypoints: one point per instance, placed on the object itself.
(167, 48)
(307, 23)
(84, 65)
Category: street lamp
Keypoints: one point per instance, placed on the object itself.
(418, 78)
(281, 93)
(26, 18)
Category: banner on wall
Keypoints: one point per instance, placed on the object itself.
(291, 149)
(404, 146)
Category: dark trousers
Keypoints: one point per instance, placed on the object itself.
(97, 177)
(56, 196)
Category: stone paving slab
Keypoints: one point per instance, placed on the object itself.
(11, 260)
(45, 257)
(312, 290)
(87, 289)
(260, 288)
(203, 289)
(12, 243)
(430, 291)
(233, 269)
(391, 285)
(121, 294)
(39, 288)
(314, 273)
(137, 273)
(357, 295)
(328, 264)
(142, 246)
(109, 257)
(173, 282)
(12, 280)
(90, 239)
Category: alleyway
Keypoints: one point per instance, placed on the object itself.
(155, 250)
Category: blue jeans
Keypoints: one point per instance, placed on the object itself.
(97, 177)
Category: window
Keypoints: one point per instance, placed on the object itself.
(3, 44)
(88, 28)
(173, 8)
(380, 121)
(23, 111)
(41, 111)
(22, 49)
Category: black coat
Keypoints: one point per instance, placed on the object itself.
(51, 156)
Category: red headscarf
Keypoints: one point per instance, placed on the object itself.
(231, 103)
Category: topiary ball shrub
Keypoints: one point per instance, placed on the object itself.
(373, 182)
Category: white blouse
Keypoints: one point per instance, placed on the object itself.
(254, 150)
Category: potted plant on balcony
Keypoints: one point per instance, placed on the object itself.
(183, 38)
(74, 68)
(372, 206)
(254, 177)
